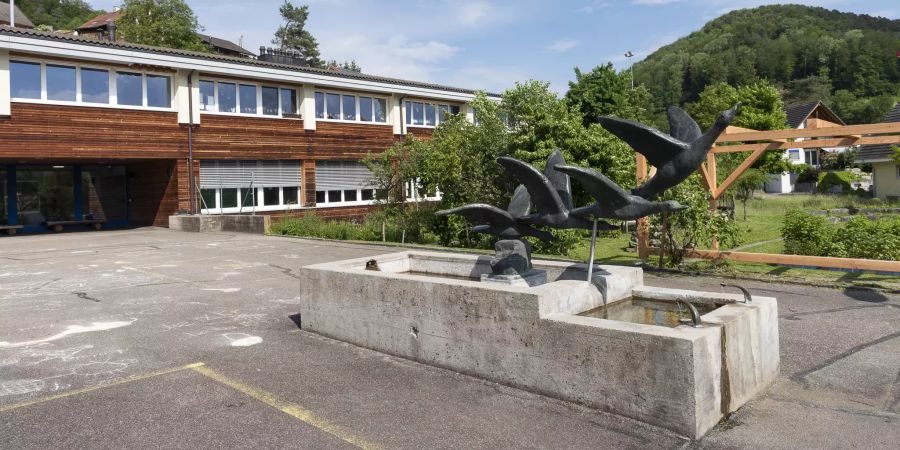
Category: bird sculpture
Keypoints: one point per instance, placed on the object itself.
(675, 157)
(552, 199)
(498, 222)
(613, 202)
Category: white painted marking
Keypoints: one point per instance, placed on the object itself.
(245, 341)
(226, 290)
(71, 329)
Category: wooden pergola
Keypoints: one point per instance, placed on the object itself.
(818, 133)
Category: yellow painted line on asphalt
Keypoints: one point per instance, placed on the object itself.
(83, 390)
(286, 407)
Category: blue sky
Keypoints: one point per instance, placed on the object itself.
(483, 44)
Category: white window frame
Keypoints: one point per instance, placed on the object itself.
(325, 92)
(259, 107)
(113, 99)
(412, 187)
(437, 111)
(243, 192)
(358, 202)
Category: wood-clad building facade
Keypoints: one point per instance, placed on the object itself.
(102, 133)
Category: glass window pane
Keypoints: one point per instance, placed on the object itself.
(227, 97)
(207, 95)
(320, 105)
(350, 195)
(270, 101)
(365, 109)
(429, 114)
(230, 198)
(95, 86)
(417, 113)
(159, 93)
(128, 89)
(349, 107)
(409, 113)
(443, 112)
(60, 83)
(45, 194)
(333, 106)
(209, 198)
(454, 109)
(248, 99)
(320, 196)
(334, 196)
(103, 195)
(25, 79)
(380, 110)
(368, 194)
(271, 196)
(291, 195)
(289, 101)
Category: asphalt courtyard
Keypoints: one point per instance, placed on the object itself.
(156, 338)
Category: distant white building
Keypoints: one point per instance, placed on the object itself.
(799, 118)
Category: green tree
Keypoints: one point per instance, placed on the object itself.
(751, 181)
(603, 92)
(292, 35)
(163, 23)
(762, 109)
(351, 65)
(58, 14)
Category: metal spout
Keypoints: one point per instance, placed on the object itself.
(695, 315)
(747, 297)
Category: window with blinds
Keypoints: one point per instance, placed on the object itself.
(240, 174)
(343, 182)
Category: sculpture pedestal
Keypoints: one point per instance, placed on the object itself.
(528, 279)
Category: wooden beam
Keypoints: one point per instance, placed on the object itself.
(811, 143)
(642, 225)
(847, 130)
(820, 123)
(738, 172)
(801, 260)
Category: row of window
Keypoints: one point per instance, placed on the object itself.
(345, 196)
(350, 107)
(246, 199)
(226, 97)
(68, 83)
(428, 114)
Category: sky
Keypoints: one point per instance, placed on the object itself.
(484, 44)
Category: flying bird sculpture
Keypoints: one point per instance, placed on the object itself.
(613, 202)
(552, 200)
(675, 156)
(499, 222)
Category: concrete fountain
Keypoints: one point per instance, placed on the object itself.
(592, 334)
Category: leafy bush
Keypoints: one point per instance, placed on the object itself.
(844, 179)
(861, 237)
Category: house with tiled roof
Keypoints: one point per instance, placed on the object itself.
(800, 116)
(110, 133)
(22, 21)
(885, 169)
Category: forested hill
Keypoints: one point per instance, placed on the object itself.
(848, 60)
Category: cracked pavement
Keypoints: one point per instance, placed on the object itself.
(80, 310)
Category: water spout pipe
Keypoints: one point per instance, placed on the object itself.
(695, 315)
(747, 297)
(591, 257)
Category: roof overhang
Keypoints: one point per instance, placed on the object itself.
(76, 50)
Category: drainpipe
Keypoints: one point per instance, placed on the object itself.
(402, 119)
(192, 195)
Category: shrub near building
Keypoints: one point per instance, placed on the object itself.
(860, 237)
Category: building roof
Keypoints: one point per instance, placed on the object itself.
(100, 21)
(879, 152)
(21, 19)
(797, 114)
(222, 43)
(8, 31)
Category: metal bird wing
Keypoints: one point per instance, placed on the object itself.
(682, 126)
(542, 192)
(658, 147)
(520, 204)
(481, 213)
(608, 194)
(559, 180)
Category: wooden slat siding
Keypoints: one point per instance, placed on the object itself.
(153, 192)
(420, 132)
(58, 132)
(224, 137)
(308, 178)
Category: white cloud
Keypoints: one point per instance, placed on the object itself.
(492, 78)
(593, 7)
(473, 13)
(561, 45)
(395, 56)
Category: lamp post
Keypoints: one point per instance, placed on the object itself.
(628, 55)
